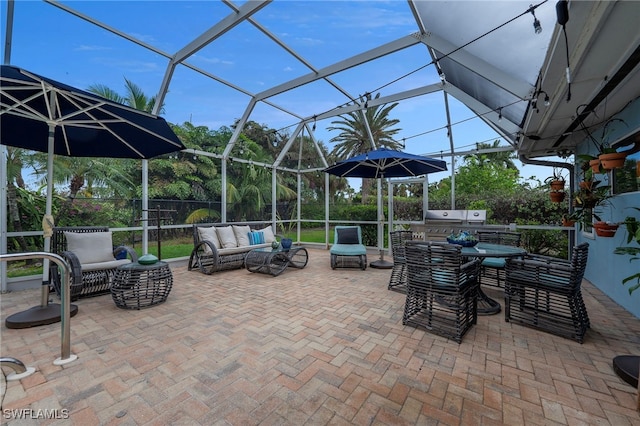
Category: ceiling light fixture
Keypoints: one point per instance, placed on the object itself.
(536, 23)
(499, 114)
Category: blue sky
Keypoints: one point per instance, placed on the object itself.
(51, 42)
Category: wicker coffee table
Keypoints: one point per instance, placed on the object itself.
(275, 261)
(138, 286)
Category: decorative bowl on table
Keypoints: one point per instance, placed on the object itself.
(463, 243)
(463, 238)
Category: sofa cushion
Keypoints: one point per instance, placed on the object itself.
(269, 237)
(90, 247)
(256, 237)
(236, 250)
(227, 237)
(242, 234)
(209, 234)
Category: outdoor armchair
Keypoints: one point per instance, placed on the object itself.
(545, 293)
(347, 250)
(93, 259)
(442, 289)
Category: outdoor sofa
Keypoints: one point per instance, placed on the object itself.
(218, 247)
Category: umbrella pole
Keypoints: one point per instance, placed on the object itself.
(381, 263)
(45, 313)
(47, 221)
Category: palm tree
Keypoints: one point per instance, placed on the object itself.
(353, 138)
(501, 159)
(15, 162)
(84, 172)
(135, 97)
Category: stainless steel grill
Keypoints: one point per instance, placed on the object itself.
(438, 224)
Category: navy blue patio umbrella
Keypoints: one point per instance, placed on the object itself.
(384, 163)
(41, 114)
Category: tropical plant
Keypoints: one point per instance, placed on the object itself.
(585, 202)
(632, 226)
(555, 177)
(354, 139)
(493, 157)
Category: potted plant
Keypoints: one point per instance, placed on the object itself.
(568, 220)
(628, 366)
(605, 229)
(632, 226)
(609, 156)
(556, 181)
(556, 184)
(585, 200)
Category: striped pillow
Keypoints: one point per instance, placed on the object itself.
(256, 237)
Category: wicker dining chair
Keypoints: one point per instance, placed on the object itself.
(492, 268)
(441, 289)
(545, 293)
(398, 279)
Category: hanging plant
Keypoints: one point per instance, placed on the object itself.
(605, 229)
(632, 226)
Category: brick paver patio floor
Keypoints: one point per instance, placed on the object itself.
(312, 347)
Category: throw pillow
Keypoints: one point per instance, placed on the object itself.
(269, 237)
(348, 236)
(242, 234)
(226, 236)
(209, 234)
(256, 237)
(90, 247)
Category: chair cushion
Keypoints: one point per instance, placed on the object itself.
(348, 249)
(347, 236)
(256, 237)
(494, 262)
(242, 234)
(227, 237)
(269, 237)
(90, 247)
(102, 266)
(209, 234)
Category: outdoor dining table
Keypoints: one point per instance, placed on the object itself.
(487, 305)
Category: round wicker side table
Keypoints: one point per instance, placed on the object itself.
(137, 286)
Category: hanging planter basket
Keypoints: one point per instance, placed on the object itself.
(556, 185)
(587, 184)
(604, 229)
(613, 160)
(557, 196)
(595, 165)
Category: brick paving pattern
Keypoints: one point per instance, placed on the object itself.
(313, 347)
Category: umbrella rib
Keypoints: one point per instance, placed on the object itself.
(115, 119)
(16, 109)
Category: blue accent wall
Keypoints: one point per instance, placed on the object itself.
(605, 269)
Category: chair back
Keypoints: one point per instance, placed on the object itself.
(500, 237)
(579, 257)
(343, 234)
(433, 263)
(398, 239)
(59, 242)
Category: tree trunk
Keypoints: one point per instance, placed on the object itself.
(365, 190)
(14, 215)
